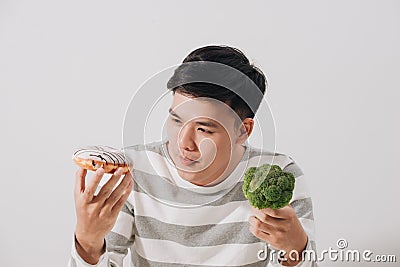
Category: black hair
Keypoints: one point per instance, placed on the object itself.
(231, 57)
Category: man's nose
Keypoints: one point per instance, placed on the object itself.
(185, 138)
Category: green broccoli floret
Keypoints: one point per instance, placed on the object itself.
(275, 191)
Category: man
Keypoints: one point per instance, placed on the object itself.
(187, 207)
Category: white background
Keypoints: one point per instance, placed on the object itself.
(68, 70)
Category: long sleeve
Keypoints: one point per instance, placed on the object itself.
(302, 204)
(120, 238)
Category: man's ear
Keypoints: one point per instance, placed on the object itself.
(245, 129)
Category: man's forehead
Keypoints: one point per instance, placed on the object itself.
(190, 108)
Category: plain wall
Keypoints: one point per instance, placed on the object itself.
(68, 70)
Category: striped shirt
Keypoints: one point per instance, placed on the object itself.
(168, 221)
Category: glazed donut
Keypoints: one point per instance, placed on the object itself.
(108, 158)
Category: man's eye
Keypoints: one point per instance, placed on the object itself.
(204, 131)
(175, 120)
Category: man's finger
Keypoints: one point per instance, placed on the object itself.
(107, 188)
(119, 191)
(80, 181)
(282, 213)
(257, 224)
(260, 234)
(93, 184)
(118, 205)
(265, 218)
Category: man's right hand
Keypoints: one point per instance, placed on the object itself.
(97, 214)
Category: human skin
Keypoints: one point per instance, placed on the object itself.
(203, 141)
(206, 145)
(96, 214)
(280, 228)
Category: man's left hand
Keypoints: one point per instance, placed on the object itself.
(281, 228)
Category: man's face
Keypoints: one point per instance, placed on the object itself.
(202, 137)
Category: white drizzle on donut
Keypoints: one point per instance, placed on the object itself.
(104, 154)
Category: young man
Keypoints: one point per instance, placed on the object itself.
(187, 207)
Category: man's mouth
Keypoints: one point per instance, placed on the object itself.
(186, 161)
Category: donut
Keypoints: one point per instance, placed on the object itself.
(108, 158)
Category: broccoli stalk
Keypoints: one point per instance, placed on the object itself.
(275, 191)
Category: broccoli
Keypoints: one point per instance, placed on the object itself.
(275, 191)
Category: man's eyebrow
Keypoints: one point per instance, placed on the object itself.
(173, 113)
(202, 123)
(207, 124)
